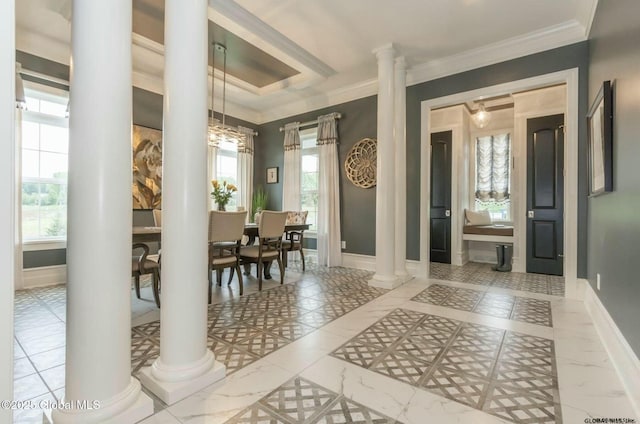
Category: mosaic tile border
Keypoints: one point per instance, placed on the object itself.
(532, 311)
(504, 373)
(482, 274)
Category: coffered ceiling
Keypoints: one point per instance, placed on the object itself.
(291, 56)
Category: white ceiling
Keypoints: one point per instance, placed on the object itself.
(331, 41)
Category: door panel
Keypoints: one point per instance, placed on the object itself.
(545, 194)
(440, 213)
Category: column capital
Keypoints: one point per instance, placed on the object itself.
(400, 63)
(386, 51)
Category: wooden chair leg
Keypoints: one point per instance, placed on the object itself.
(302, 259)
(281, 266)
(219, 277)
(285, 257)
(231, 270)
(156, 287)
(137, 285)
(239, 279)
(209, 267)
(260, 265)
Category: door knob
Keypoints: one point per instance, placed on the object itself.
(531, 214)
(447, 213)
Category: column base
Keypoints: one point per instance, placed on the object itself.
(128, 407)
(172, 392)
(388, 282)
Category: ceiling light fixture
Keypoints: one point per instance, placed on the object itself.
(481, 118)
(220, 131)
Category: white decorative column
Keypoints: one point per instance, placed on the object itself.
(185, 364)
(385, 196)
(98, 361)
(7, 199)
(400, 120)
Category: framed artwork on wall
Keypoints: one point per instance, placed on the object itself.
(272, 175)
(600, 123)
(147, 168)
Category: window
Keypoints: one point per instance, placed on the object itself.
(227, 168)
(45, 144)
(309, 176)
(493, 175)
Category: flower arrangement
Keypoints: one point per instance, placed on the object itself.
(222, 193)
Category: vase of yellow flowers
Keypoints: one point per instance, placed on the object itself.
(222, 193)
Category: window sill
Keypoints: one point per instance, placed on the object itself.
(34, 245)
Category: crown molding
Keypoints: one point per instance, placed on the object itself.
(342, 95)
(592, 15)
(534, 42)
(556, 36)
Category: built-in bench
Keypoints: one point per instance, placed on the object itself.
(496, 233)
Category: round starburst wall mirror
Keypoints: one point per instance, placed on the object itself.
(360, 165)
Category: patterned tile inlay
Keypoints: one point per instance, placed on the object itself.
(302, 401)
(533, 311)
(482, 274)
(243, 330)
(507, 374)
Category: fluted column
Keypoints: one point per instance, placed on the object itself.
(7, 199)
(400, 120)
(385, 197)
(98, 360)
(185, 364)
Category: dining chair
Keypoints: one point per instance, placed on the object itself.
(157, 222)
(269, 247)
(225, 235)
(293, 239)
(142, 265)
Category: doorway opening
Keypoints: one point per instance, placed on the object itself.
(559, 94)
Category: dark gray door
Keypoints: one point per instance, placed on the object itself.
(545, 194)
(440, 214)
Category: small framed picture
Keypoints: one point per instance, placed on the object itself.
(600, 121)
(272, 175)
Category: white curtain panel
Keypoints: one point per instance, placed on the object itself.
(245, 171)
(493, 167)
(212, 156)
(329, 238)
(501, 168)
(291, 175)
(18, 284)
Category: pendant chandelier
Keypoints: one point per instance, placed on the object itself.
(219, 131)
(481, 118)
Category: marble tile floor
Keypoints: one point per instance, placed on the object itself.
(581, 376)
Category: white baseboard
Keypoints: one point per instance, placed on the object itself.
(44, 276)
(354, 260)
(624, 359)
(368, 263)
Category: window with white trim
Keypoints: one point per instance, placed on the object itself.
(309, 176)
(45, 146)
(227, 168)
(493, 175)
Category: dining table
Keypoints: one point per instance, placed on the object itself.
(154, 234)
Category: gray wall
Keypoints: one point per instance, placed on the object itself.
(358, 206)
(614, 231)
